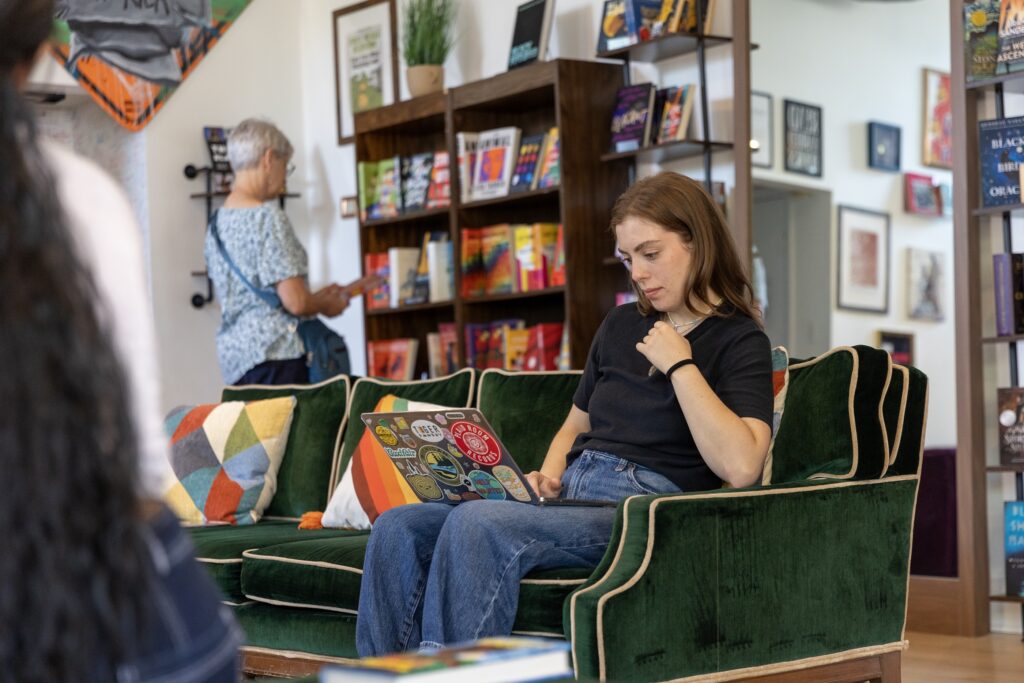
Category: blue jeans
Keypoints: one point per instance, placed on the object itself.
(437, 574)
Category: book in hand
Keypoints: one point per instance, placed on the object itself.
(631, 120)
(1000, 152)
(488, 660)
(530, 37)
(1013, 528)
(1011, 425)
(981, 39)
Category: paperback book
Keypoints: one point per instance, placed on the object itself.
(1013, 526)
(1011, 37)
(495, 156)
(1011, 425)
(465, 144)
(618, 26)
(530, 36)
(981, 39)
(526, 163)
(549, 168)
(440, 193)
(1000, 152)
(416, 180)
(631, 119)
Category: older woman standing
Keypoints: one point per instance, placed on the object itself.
(257, 344)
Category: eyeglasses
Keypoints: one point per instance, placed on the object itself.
(289, 170)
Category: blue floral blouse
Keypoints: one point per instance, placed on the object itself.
(261, 242)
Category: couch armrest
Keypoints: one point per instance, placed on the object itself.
(739, 579)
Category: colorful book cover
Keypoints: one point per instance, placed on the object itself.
(466, 144)
(516, 344)
(558, 270)
(421, 288)
(496, 341)
(440, 193)
(389, 189)
(402, 359)
(549, 174)
(1011, 425)
(527, 162)
(530, 36)
(367, 176)
(377, 263)
(477, 340)
(377, 355)
(545, 239)
(618, 26)
(440, 278)
(435, 361)
(671, 114)
(632, 116)
(1003, 290)
(1000, 151)
(529, 261)
(449, 347)
(687, 21)
(1013, 525)
(544, 346)
(653, 17)
(473, 281)
(416, 180)
(981, 39)
(496, 247)
(402, 268)
(1011, 36)
(495, 157)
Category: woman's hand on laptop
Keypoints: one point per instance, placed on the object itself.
(543, 485)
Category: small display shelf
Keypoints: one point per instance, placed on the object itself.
(664, 47)
(409, 217)
(996, 210)
(667, 151)
(411, 308)
(514, 198)
(512, 296)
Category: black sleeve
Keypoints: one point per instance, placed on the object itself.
(745, 381)
(591, 372)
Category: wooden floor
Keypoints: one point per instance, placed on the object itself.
(993, 658)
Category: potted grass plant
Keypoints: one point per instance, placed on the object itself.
(426, 41)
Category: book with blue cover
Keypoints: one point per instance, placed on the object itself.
(1014, 530)
(1000, 152)
(619, 26)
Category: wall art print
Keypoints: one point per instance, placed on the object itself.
(938, 120)
(926, 274)
(131, 55)
(803, 130)
(864, 256)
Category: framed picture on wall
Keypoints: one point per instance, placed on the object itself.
(864, 251)
(921, 195)
(365, 61)
(899, 345)
(883, 146)
(926, 276)
(938, 120)
(802, 138)
(762, 147)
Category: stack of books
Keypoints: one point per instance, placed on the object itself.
(646, 116)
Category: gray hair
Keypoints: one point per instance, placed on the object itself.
(251, 139)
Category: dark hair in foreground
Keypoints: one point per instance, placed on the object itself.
(681, 205)
(73, 570)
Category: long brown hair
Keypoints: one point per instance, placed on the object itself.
(681, 205)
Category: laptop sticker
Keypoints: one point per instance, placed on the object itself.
(442, 466)
(512, 482)
(425, 486)
(486, 485)
(428, 431)
(476, 443)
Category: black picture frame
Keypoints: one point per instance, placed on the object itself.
(884, 142)
(802, 138)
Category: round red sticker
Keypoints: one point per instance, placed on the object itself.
(476, 443)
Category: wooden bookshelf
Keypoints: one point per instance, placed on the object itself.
(669, 151)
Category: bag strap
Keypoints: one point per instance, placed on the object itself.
(268, 297)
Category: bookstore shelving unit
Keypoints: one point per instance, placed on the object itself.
(576, 96)
(962, 604)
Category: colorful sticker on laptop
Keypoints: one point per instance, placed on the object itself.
(428, 431)
(401, 424)
(476, 443)
(387, 437)
(440, 419)
(486, 485)
(424, 486)
(442, 466)
(408, 440)
(511, 481)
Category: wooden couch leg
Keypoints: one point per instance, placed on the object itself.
(891, 663)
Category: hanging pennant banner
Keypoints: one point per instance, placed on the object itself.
(131, 55)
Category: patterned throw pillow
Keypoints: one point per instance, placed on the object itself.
(371, 484)
(225, 457)
(780, 385)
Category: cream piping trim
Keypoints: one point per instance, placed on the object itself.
(294, 654)
(545, 634)
(237, 604)
(520, 373)
(284, 603)
(213, 560)
(338, 440)
(895, 449)
(881, 415)
(795, 665)
(552, 582)
(854, 377)
(254, 555)
(602, 601)
(913, 515)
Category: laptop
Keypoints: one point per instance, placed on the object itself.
(451, 456)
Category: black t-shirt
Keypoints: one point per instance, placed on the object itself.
(636, 416)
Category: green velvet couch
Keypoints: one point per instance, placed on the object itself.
(809, 569)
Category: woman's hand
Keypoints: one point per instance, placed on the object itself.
(664, 347)
(543, 485)
(332, 300)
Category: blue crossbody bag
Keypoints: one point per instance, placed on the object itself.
(326, 351)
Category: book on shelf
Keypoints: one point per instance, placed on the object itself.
(558, 267)
(449, 347)
(377, 264)
(530, 36)
(416, 180)
(1008, 276)
(440, 275)
(563, 362)
(631, 119)
(496, 248)
(440, 193)
(549, 168)
(653, 17)
(421, 286)
(543, 347)
(497, 342)
(1013, 529)
(403, 265)
(981, 39)
(1000, 152)
(675, 114)
(392, 358)
(435, 361)
(686, 20)
(1011, 37)
(527, 162)
(618, 27)
(497, 660)
(1010, 402)
(389, 187)
(474, 277)
(220, 165)
(495, 158)
(366, 180)
(517, 342)
(465, 146)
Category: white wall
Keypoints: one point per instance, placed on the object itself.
(869, 71)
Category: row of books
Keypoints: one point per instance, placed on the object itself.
(396, 185)
(993, 38)
(494, 163)
(511, 345)
(645, 115)
(508, 258)
(392, 358)
(412, 275)
(628, 22)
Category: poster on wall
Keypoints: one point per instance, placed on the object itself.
(802, 138)
(365, 61)
(863, 260)
(926, 274)
(132, 56)
(938, 120)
